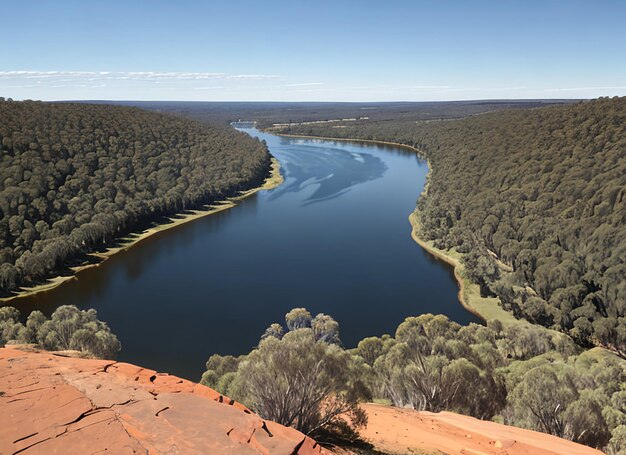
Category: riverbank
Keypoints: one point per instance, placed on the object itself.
(469, 296)
(275, 178)
(485, 308)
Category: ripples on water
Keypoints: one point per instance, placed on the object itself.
(329, 173)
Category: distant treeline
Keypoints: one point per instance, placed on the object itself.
(541, 192)
(266, 114)
(73, 177)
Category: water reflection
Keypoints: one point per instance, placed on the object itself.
(329, 171)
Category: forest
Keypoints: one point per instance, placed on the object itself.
(266, 114)
(75, 177)
(535, 200)
(301, 375)
(531, 196)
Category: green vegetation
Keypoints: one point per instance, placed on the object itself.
(75, 177)
(302, 379)
(266, 114)
(535, 202)
(531, 202)
(518, 377)
(67, 329)
(514, 376)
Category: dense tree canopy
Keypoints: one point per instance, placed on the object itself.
(67, 329)
(525, 376)
(536, 199)
(266, 114)
(75, 176)
(302, 378)
(520, 377)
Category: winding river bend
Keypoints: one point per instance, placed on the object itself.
(333, 238)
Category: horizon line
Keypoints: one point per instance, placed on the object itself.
(458, 100)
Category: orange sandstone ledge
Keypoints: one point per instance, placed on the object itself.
(53, 404)
(57, 403)
(396, 430)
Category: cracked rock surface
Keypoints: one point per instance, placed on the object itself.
(55, 404)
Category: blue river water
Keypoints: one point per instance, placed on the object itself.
(333, 238)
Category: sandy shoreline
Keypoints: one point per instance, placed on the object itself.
(275, 178)
(485, 308)
(442, 256)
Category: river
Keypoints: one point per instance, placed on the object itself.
(333, 238)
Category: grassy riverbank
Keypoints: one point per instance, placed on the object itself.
(485, 308)
(275, 178)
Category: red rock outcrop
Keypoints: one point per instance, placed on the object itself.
(54, 404)
(51, 403)
(397, 430)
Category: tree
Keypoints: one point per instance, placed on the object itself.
(300, 382)
(370, 349)
(584, 422)
(524, 342)
(217, 367)
(617, 444)
(68, 329)
(71, 328)
(325, 329)
(541, 399)
(302, 378)
(10, 327)
(275, 330)
(611, 332)
(298, 318)
(435, 364)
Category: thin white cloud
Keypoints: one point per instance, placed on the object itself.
(427, 87)
(212, 87)
(582, 89)
(367, 87)
(78, 86)
(56, 85)
(304, 84)
(484, 89)
(93, 76)
(252, 76)
(20, 86)
(312, 90)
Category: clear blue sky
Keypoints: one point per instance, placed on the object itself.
(317, 50)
